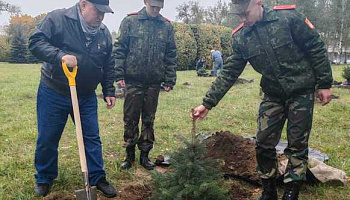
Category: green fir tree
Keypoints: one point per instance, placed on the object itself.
(191, 176)
(18, 50)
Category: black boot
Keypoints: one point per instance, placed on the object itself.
(107, 189)
(130, 158)
(269, 189)
(145, 162)
(291, 190)
(42, 189)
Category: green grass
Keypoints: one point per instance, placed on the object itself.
(236, 113)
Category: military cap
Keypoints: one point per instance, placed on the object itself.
(102, 5)
(240, 6)
(157, 3)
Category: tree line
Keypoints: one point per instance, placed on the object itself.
(330, 17)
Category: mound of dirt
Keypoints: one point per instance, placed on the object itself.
(237, 154)
(132, 191)
(237, 192)
(57, 196)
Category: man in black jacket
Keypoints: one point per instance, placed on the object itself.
(78, 37)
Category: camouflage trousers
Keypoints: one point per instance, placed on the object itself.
(273, 113)
(140, 101)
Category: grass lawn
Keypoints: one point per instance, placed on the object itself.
(236, 113)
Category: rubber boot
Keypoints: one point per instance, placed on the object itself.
(145, 162)
(291, 190)
(130, 158)
(269, 189)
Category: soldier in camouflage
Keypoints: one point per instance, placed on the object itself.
(283, 46)
(145, 54)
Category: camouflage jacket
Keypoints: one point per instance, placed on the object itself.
(145, 50)
(284, 48)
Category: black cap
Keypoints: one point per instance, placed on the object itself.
(157, 3)
(240, 6)
(102, 5)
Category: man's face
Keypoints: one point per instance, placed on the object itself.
(152, 11)
(91, 15)
(253, 13)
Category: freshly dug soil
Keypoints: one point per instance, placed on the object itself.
(238, 192)
(57, 196)
(238, 159)
(132, 191)
(236, 153)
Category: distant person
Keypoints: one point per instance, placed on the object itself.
(283, 46)
(200, 68)
(78, 37)
(200, 63)
(145, 60)
(217, 61)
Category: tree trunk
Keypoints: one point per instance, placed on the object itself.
(342, 22)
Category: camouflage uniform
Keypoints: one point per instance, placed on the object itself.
(293, 61)
(145, 54)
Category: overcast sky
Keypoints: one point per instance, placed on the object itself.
(120, 8)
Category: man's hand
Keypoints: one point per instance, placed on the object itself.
(121, 83)
(325, 95)
(70, 60)
(167, 88)
(110, 101)
(199, 113)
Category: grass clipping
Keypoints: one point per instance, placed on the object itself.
(191, 176)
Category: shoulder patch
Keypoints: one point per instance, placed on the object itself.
(133, 13)
(237, 29)
(285, 7)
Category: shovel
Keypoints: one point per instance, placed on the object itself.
(89, 193)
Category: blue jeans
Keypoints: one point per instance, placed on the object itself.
(52, 114)
(217, 65)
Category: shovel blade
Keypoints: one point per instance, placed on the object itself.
(82, 195)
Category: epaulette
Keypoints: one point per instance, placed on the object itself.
(237, 29)
(285, 7)
(133, 13)
(168, 20)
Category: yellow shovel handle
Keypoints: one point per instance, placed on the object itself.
(70, 75)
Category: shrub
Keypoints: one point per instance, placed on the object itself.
(346, 73)
(186, 45)
(195, 41)
(206, 41)
(224, 34)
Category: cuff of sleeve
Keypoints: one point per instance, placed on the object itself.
(119, 79)
(323, 87)
(169, 85)
(207, 105)
(60, 56)
(110, 93)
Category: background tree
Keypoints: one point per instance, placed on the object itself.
(190, 13)
(18, 50)
(4, 48)
(9, 8)
(18, 32)
(217, 14)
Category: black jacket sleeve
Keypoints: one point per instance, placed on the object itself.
(42, 40)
